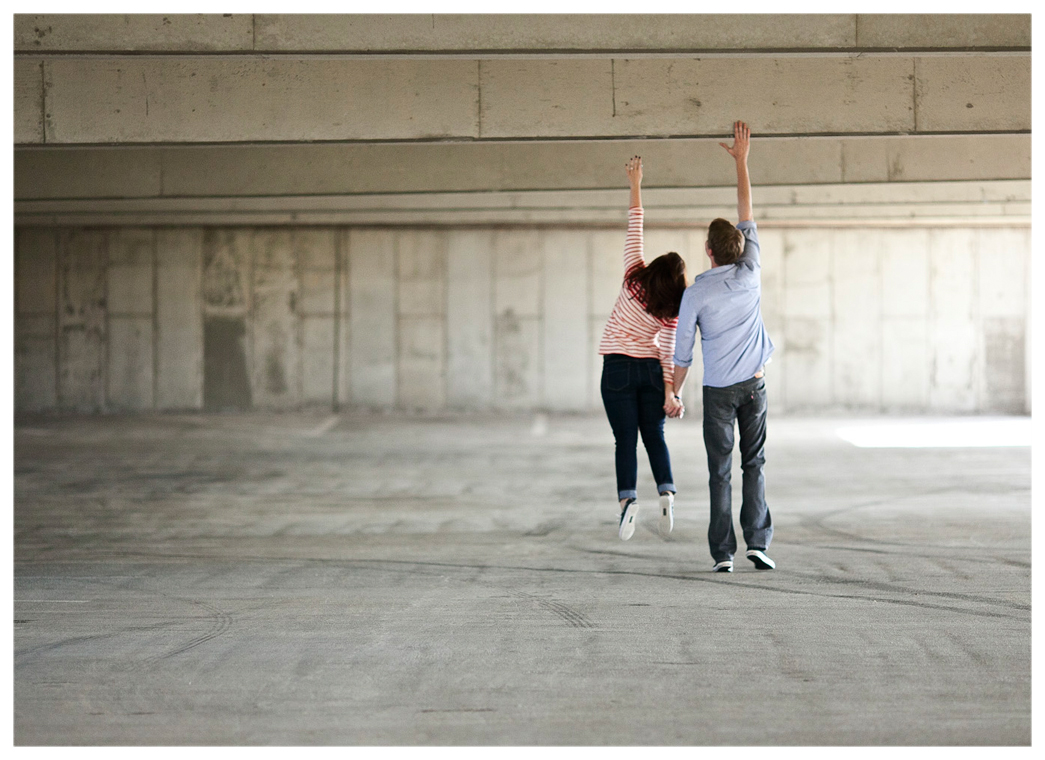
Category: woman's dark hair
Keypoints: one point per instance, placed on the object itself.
(658, 286)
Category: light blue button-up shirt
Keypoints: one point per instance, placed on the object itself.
(726, 303)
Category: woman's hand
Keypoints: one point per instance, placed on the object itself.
(634, 170)
(673, 407)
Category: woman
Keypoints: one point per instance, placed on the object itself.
(637, 346)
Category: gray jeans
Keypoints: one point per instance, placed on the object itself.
(745, 404)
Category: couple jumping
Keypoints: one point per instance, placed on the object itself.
(645, 367)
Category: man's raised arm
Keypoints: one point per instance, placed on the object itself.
(739, 151)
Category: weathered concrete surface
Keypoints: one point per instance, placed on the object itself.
(306, 580)
(171, 100)
(35, 338)
(29, 108)
(942, 30)
(537, 33)
(406, 33)
(82, 323)
(968, 94)
(469, 327)
(372, 313)
(214, 100)
(864, 317)
(687, 97)
(179, 319)
(139, 31)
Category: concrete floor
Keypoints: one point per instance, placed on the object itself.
(305, 579)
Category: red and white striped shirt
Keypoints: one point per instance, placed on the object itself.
(632, 330)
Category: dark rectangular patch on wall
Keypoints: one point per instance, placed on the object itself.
(226, 386)
(1006, 364)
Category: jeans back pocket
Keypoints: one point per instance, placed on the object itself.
(615, 377)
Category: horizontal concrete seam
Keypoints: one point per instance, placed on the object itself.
(534, 208)
(557, 53)
(511, 191)
(915, 223)
(518, 139)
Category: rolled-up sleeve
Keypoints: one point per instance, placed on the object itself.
(686, 333)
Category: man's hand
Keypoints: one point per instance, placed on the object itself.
(741, 141)
(741, 145)
(673, 407)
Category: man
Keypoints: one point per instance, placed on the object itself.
(725, 303)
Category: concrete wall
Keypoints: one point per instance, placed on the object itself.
(923, 319)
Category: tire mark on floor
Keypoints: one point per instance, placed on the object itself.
(220, 623)
(572, 617)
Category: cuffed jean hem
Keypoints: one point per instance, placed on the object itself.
(666, 487)
(628, 494)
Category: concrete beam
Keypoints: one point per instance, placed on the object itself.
(516, 33)
(286, 170)
(176, 100)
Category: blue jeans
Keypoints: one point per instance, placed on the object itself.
(745, 404)
(633, 394)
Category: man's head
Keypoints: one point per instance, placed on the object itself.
(725, 242)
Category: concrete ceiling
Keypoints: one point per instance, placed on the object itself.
(421, 119)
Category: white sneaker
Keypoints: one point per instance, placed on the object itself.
(667, 513)
(628, 516)
(725, 566)
(762, 562)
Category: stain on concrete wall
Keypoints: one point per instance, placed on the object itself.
(36, 277)
(422, 319)
(226, 305)
(226, 386)
(276, 371)
(82, 329)
(179, 319)
(131, 368)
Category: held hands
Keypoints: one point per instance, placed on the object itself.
(634, 170)
(673, 407)
(741, 141)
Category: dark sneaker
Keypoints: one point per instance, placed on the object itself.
(628, 516)
(762, 562)
(725, 566)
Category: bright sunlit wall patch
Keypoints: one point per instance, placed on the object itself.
(964, 433)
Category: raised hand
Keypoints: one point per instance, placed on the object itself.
(634, 170)
(741, 141)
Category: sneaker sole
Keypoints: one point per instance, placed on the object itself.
(761, 563)
(667, 516)
(627, 523)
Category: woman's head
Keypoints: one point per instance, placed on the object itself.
(659, 285)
